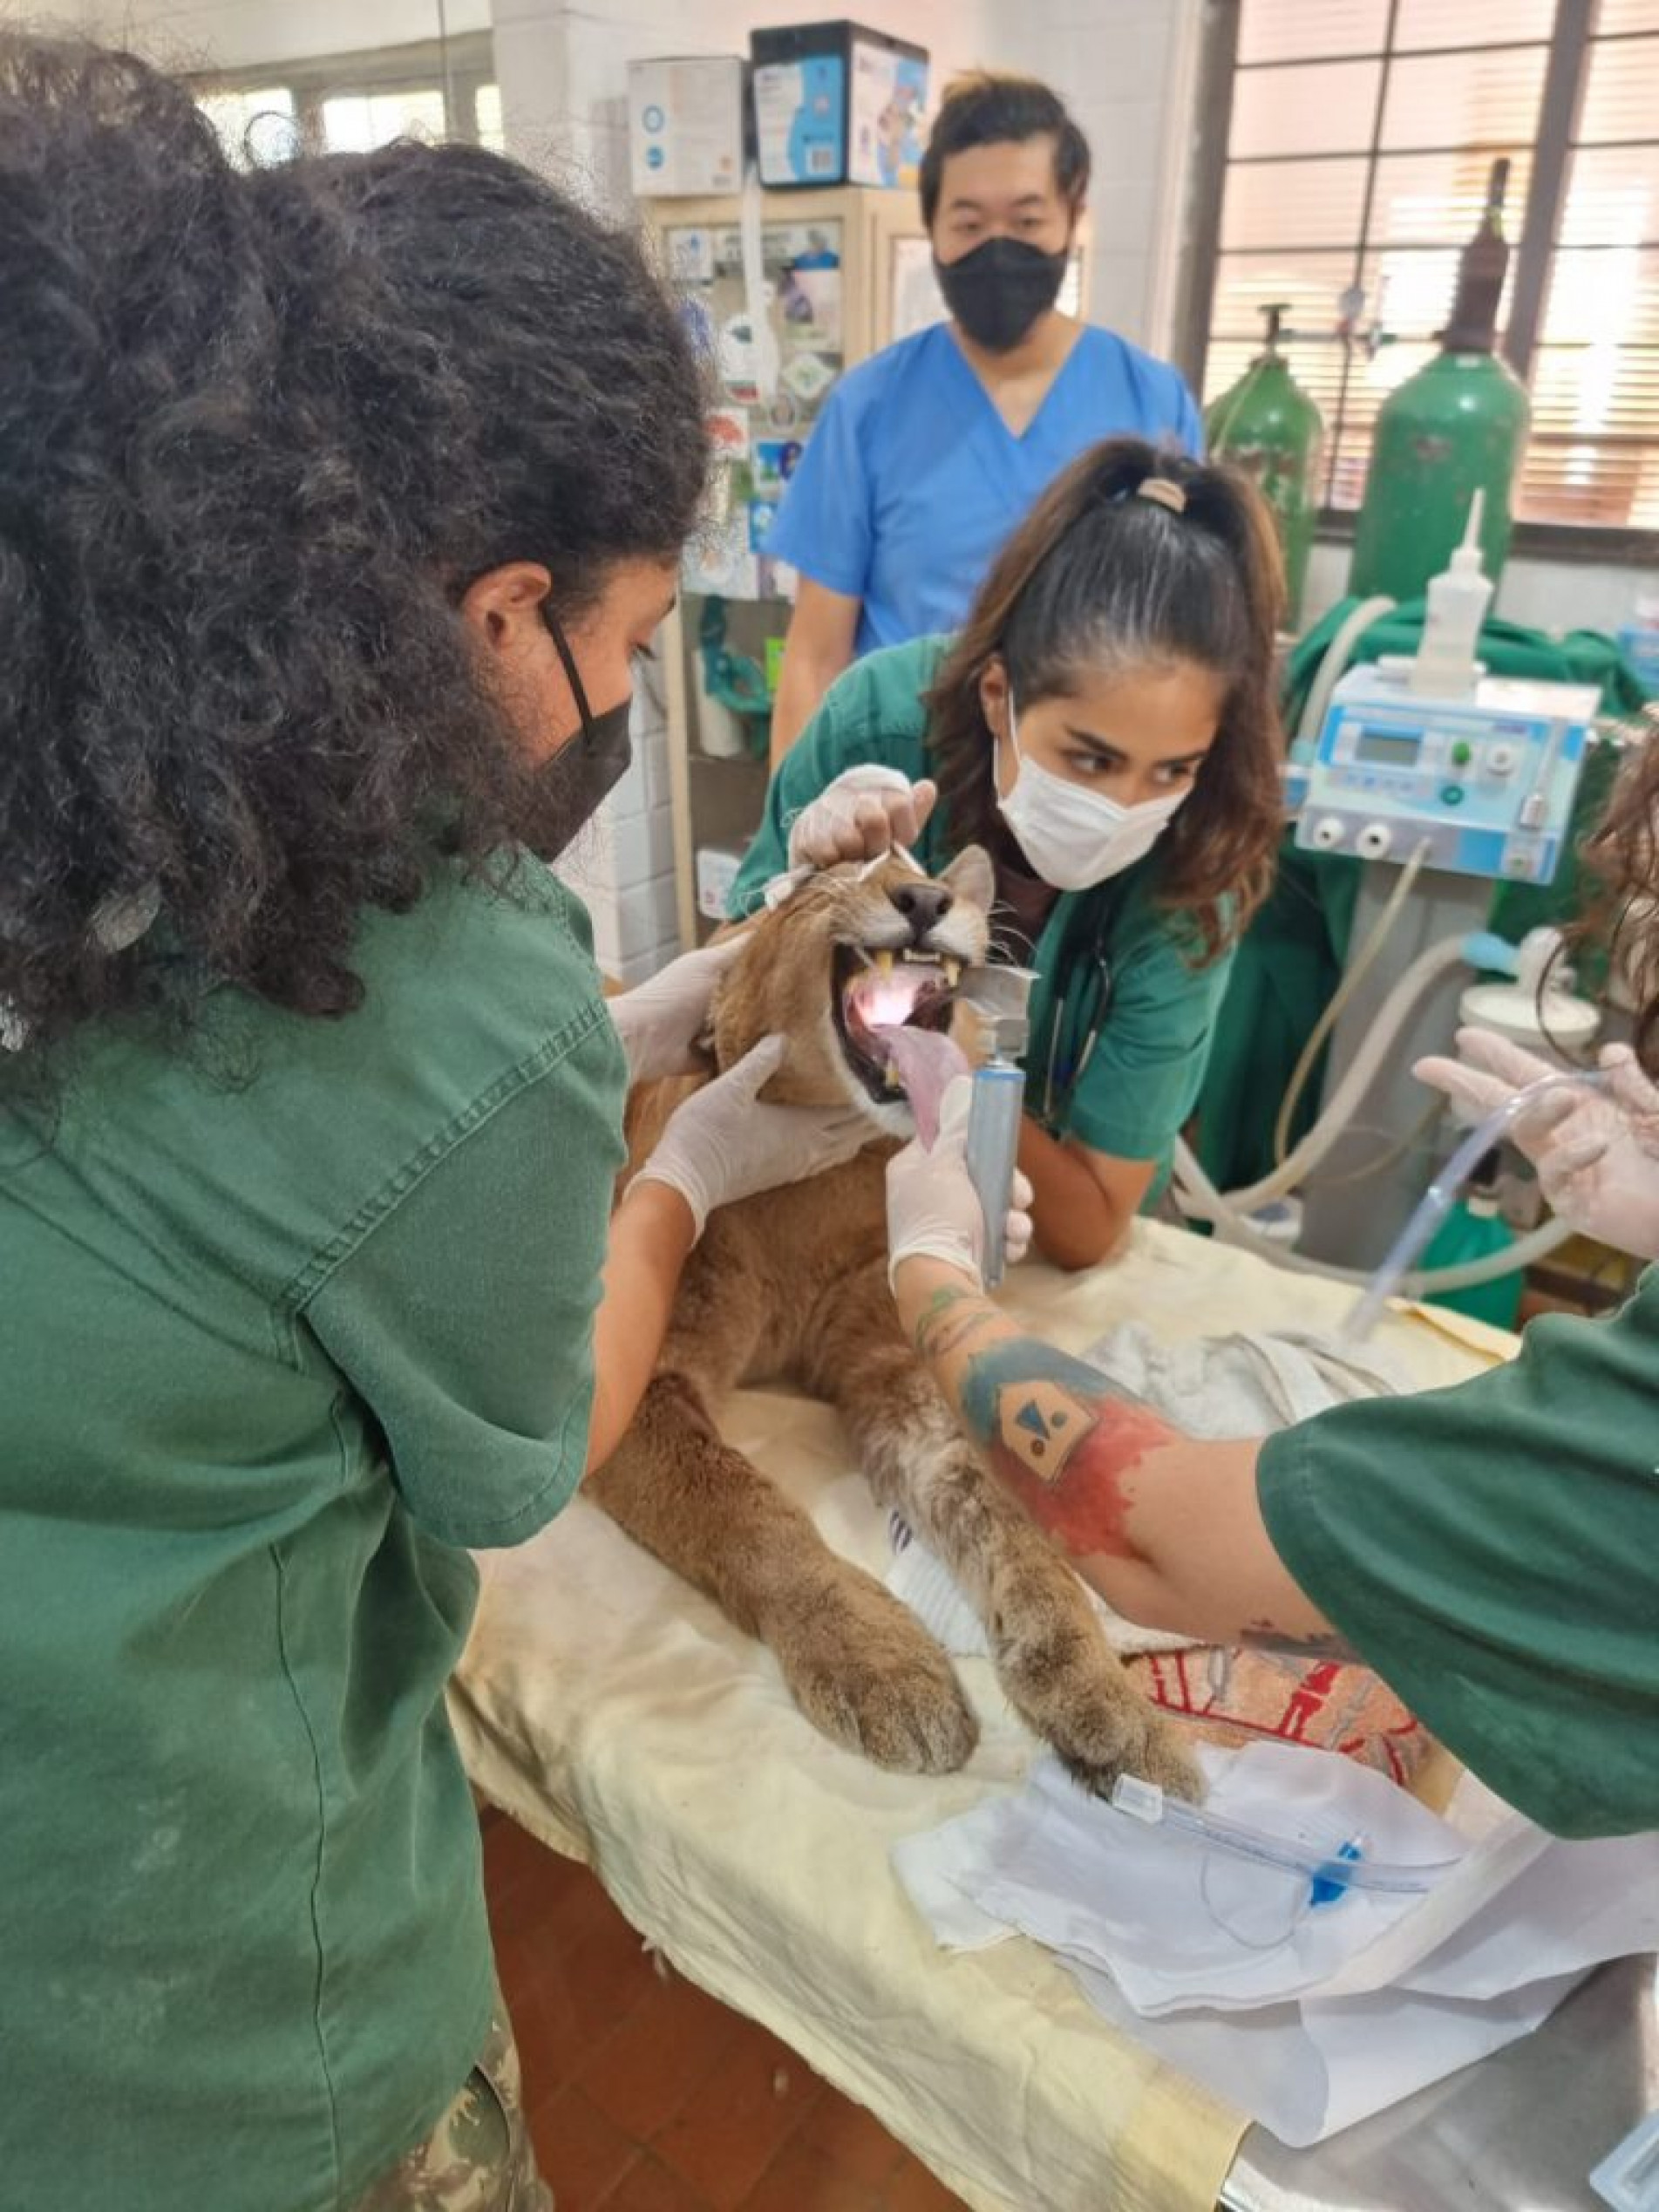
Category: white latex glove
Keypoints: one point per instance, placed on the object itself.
(1596, 1154)
(660, 1021)
(861, 815)
(723, 1144)
(933, 1209)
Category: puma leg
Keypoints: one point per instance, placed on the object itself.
(1051, 1653)
(859, 1665)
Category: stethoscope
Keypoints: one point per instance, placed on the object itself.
(1098, 999)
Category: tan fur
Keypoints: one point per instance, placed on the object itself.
(793, 1285)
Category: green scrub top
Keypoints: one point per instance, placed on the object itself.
(288, 1318)
(1492, 1550)
(1113, 965)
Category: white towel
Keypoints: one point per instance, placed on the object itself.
(934, 1594)
(1247, 1384)
(1310, 2019)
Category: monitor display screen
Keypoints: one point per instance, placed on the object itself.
(1387, 749)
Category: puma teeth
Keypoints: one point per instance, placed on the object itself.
(953, 972)
(884, 961)
(890, 1076)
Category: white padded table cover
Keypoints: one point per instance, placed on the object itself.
(616, 1714)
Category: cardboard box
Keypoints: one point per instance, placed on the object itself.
(836, 103)
(685, 124)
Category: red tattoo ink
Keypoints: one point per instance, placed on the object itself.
(1075, 1485)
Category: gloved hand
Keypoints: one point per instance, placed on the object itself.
(723, 1144)
(660, 1021)
(933, 1209)
(861, 815)
(1596, 1154)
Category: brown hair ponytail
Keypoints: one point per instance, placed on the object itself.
(1623, 850)
(1096, 581)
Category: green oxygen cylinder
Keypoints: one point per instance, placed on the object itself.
(1267, 426)
(1457, 427)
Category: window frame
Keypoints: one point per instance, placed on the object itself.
(1566, 72)
(459, 66)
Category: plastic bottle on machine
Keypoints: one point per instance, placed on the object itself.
(1446, 666)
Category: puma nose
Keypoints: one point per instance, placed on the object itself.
(922, 905)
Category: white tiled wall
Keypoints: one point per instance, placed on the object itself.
(1126, 70)
(623, 865)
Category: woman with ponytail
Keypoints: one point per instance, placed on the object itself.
(1104, 724)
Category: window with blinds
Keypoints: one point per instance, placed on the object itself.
(1360, 137)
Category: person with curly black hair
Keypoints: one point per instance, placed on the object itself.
(334, 502)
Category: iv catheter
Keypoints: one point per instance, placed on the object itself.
(1437, 1201)
(1330, 1869)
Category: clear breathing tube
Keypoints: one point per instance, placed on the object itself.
(1230, 1212)
(1380, 1042)
(1437, 1201)
(1200, 1200)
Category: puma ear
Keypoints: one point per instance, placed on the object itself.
(969, 876)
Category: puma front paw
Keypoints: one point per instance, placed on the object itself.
(867, 1673)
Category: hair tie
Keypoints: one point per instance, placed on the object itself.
(1165, 491)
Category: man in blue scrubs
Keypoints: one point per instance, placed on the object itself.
(925, 457)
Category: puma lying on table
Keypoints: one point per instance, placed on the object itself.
(791, 1286)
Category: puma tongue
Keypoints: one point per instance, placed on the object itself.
(925, 1061)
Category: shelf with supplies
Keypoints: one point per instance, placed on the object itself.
(718, 761)
(827, 278)
(831, 276)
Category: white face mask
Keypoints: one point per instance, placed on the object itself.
(1074, 837)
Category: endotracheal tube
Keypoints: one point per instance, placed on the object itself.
(1437, 1201)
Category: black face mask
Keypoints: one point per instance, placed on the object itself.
(589, 766)
(998, 291)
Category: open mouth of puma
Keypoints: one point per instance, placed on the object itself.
(879, 991)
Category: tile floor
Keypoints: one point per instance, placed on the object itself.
(646, 2095)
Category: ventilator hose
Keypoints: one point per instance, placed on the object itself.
(1200, 1200)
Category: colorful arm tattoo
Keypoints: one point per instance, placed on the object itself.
(949, 1318)
(1067, 1441)
(1064, 1439)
